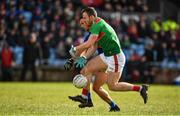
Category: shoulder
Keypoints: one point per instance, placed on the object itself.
(97, 23)
(98, 19)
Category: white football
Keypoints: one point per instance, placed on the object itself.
(79, 81)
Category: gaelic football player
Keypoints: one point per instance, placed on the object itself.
(100, 79)
(113, 58)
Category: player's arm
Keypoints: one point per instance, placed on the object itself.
(95, 30)
(81, 61)
(86, 54)
(90, 51)
(86, 45)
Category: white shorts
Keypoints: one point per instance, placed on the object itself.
(115, 63)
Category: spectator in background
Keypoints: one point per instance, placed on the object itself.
(45, 48)
(140, 6)
(24, 35)
(58, 20)
(178, 34)
(68, 43)
(133, 31)
(6, 62)
(61, 52)
(143, 27)
(156, 24)
(92, 3)
(125, 42)
(147, 59)
(134, 66)
(30, 55)
(173, 53)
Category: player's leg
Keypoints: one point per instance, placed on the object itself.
(97, 87)
(114, 85)
(86, 89)
(88, 70)
(93, 66)
(114, 65)
(99, 81)
(85, 96)
(115, 68)
(86, 93)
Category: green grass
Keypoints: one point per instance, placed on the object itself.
(52, 99)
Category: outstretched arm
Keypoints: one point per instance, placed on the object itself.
(90, 51)
(86, 54)
(91, 41)
(81, 61)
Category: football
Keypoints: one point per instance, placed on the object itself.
(79, 81)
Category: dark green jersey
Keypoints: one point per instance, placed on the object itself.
(107, 38)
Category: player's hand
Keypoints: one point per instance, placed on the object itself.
(80, 62)
(68, 65)
(72, 51)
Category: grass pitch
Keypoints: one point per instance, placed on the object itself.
(52, 99)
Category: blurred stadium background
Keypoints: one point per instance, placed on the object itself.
(149, 31)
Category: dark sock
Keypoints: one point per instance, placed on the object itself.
(112, 104)
(89, 96)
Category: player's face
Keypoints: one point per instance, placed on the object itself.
(86, 18)
(83, 24)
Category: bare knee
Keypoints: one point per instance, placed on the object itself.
(86, 71)
(112, 86)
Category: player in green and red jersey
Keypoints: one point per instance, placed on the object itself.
(113, 58)
(99, 80)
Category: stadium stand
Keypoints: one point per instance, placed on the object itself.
(150, 42)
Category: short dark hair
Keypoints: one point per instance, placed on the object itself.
(90, 11)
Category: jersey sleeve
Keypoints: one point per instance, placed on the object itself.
(87, 36)
(95, 29)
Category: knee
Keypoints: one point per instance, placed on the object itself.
(112, 87)
(82, 71)
(86, 71)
